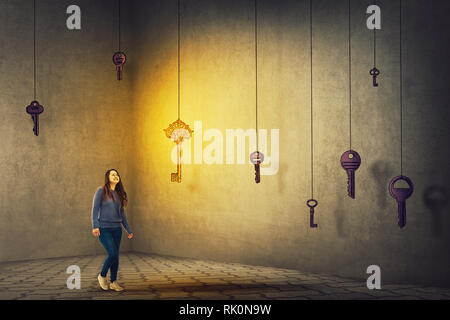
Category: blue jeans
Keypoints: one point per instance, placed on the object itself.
(110, 239)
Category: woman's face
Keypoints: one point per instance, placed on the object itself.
(113, 177)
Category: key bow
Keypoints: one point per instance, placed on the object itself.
(398, 178)
(374, 72)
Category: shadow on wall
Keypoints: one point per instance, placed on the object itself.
(339, 213)
(435, 199)
(381, 169)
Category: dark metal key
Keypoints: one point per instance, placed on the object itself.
(401, 194)
(35, 109)
(350, 161)
(119, 59)
(311, 203)
(257, 158)
(374, 73)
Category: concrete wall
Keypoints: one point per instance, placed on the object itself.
(218, 212)
(48, 181)
(92, 123)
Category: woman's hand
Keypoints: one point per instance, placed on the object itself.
(96, 232)
(130, 236)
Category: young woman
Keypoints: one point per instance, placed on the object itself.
(107, 216)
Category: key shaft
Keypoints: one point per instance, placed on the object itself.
(119, 72)
(401, 213)
(311, 218)
(257, 173)
(351, 183)
(35, 118)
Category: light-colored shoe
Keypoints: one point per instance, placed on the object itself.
(115, 286)
(103, 282)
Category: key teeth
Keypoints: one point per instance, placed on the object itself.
(350, 185)
(350, 190)
(402, 217)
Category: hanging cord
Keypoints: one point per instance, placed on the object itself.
(256, 73)
(118, 2)
(350, 71)
(34, 46)
(178, 59)
(311, 95)
(375, 43)
(401, 94)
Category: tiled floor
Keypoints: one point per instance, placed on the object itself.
(161, 277)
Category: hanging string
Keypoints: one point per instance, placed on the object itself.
(256, 73)
(311, 96)
(350, 71)
(34, 46)
(401, 94)
(178, 59)
(375, 43)
(119, 22)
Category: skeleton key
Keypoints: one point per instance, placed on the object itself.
(176, 176)
(119, 59)
(374, 73)
(311, 203)
(34, 109)
(401, 194)
(350, 161)
(257, 158)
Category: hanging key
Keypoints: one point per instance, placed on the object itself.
(311, 203)
(374, 73)
(350, 161)
(257, 158)
(401, 194)
(119, 59)
(35, 109)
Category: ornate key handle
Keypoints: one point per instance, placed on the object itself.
(178, 131)
(257, 158)
(398, 178)
(312, 203)
(119, 58)
(35, 109)
(374, 73)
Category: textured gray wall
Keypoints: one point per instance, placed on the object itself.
(218, 212)
(48, 181)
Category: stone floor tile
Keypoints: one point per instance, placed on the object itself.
(290, 294)
(146, 276)
(253, 296)
(342, 296)
(10, 295)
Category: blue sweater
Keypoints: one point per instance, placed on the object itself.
(107, 214)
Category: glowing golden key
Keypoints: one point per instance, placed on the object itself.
(178, 131)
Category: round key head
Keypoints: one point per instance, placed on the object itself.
(119, 58)
(350, 160)
(401, 194)
(34, 108)
(312, 203)
(374, 72)
(257, 157)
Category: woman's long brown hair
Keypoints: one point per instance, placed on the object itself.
(120, 190)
